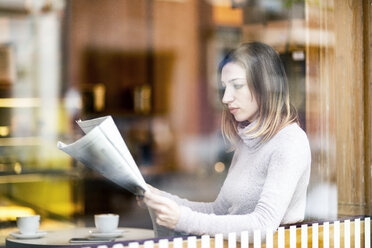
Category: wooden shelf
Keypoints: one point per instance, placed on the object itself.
(21, 141)
(37, 176)
(20, 102)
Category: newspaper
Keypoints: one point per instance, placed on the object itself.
(103, 150)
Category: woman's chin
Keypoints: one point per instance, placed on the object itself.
(239, 119)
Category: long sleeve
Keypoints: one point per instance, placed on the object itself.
(284, 173)
(219, 206)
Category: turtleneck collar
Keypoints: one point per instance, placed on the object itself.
(243, 128)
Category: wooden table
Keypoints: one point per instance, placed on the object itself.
(61, 238)
(351, 232)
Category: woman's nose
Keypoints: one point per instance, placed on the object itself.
(228, 96)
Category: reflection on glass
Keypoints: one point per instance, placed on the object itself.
(152, 66)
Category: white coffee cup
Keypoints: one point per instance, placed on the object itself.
(106, 223)
(28, 224)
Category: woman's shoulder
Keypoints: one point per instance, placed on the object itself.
(292, 136)
(291, 144)
(291, 130)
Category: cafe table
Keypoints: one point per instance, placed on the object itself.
(61, 238)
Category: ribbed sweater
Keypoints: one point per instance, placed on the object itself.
(265, 186)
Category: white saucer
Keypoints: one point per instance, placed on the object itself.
(36, 235)
(114, 234)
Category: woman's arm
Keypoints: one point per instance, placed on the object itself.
(289, 169)
(167, 210)
(216, 207)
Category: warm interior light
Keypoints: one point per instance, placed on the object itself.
(4, 131)
(19, 102)
(10, 213)
(17, 168)
(219, 167)
(99, 97)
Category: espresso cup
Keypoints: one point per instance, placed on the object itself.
(28, 224)
(106, 223)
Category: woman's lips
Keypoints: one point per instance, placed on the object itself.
(233, 110)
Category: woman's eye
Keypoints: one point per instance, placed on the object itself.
(238, 86)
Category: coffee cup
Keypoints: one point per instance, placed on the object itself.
(106, 223)
(28, 224)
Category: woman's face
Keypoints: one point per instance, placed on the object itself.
(237, 96)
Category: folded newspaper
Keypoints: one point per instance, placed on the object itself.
(103, 149)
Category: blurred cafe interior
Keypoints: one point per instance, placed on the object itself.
(152, 66)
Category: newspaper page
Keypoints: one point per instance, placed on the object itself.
(103, 150)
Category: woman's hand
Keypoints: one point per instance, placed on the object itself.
(167, 211)
(154, 190)
(139, 199)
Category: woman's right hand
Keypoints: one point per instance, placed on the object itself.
(167, 212)
(153, 190)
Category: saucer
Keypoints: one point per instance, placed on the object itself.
(36, 235)
(114, 234)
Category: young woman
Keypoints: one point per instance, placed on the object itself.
(268, 177)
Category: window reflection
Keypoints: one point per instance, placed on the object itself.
(152, 65)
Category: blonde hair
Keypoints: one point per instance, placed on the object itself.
(267, 80)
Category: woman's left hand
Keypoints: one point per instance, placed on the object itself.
(167, 211)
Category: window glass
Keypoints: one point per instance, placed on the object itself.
(153, 66)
